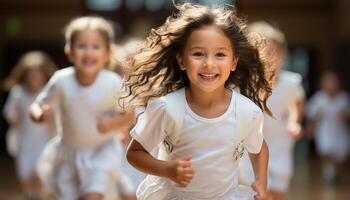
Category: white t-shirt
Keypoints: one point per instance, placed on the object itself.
(18, 104)
(285, 93)
(80, 105)
(31, 137)
(332, 131)
(213, 144)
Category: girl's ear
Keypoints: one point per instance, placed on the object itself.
(180, 62)
(235, 62)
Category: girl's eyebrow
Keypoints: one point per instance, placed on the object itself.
(202, 47)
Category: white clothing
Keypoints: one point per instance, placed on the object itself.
(131, 178)
(85, 159)
(81, 105)
(285, 93)
(214, 145)
(331, 131)
(32, 137)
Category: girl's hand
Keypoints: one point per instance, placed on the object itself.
(47, 113)
(294, 128)
(104, 124)
(181, 171)
(260, 190)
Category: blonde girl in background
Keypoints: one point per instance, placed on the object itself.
(25, 82)
(198, 54)
(87, 156)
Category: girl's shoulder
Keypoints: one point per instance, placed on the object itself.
(248, 104)
(156, 105)
(318, 96)
(17, 91)
(110, 74)
(64, 73)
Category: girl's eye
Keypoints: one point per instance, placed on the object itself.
(80, 46)
(97, 47)
(197, 54)
(220, 55)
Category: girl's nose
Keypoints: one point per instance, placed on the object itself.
(209, 62)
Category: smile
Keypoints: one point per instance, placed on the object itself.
(208, 77)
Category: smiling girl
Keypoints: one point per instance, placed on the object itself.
(88, 155)
(198, 53)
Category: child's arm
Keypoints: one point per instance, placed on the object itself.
(180, 171)
(41, 109)
(121, 122)
(11, 107)
(40, 113)
(295, 117)
(260, 163)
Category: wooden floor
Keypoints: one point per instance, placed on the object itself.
(307, 183)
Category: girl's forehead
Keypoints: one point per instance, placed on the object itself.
(90, 36)
(209, 36)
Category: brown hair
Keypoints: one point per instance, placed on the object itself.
(30, 60)
(154, 70)
(94, 23)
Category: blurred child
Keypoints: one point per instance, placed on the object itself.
(26, 80)
(286, 104)
(195, 56)
(327, 113)
(88, 156)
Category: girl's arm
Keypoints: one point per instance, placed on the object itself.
(295, 117)
(121, 122)
(179, 171)
(40, 113)
(11, 107)
(260, 163)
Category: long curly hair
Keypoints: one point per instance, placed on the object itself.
(153, 70)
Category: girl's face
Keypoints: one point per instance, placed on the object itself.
(89, 52)
(208, 58)
(35, 79)
(330, 84)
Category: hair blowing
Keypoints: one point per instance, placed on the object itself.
(153, 70)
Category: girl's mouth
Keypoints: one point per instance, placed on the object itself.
(208, 77)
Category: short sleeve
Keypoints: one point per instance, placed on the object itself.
(313, 106)
(10, 110)
(255, 136)
(299, 92)
(50, 93)
(149, 129)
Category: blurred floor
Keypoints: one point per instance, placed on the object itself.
(306, 185)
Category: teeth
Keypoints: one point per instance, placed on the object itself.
(208, 75)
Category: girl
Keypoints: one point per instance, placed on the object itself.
(286, 102)
(199, 53)
(88, 156)
(327, 114)
(25, 82)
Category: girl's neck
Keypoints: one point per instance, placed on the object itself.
(205, 99)
(33, 91)
(208, 105)
(84, 79)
